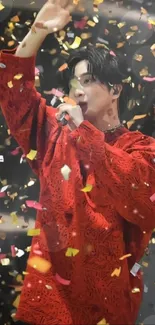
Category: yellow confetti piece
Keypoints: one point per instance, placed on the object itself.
(144, 72)
(116, 272)
(145, 264)
(28, 249)
(40, 264)
(14, 217)
(125, 256)
(98, 2)
(1, 6)
(151, 21)
(76, 43)
(135, 290)
(16, 302)
(33, 232)
(72, 252)
(129, 34)
(11, 43)
(19, 278)
(103, 322)
(122, 24)
(87, 188)
(25, 273)
(86, 35)
(32, 154)
(10, 84)
(91, 23)
(114, 22)
(18, 76)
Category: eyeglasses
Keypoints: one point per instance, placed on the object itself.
(84, 80)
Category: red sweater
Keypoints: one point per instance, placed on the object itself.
(114, 219)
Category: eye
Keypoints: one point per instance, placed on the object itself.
(87, 80)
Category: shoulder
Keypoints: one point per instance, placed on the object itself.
(133, 139)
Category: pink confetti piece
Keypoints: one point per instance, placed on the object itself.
(149, 79)
(36, 249)
(15, 152)
(35, 205)
(61, 280)
(54, 92)
(2, 256)
(152, 198)
(112, 53)
(2, 194)
(37, 71)
(80, 24)
(13, 251)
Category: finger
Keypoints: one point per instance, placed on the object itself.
(71, 6)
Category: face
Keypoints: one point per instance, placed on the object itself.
(93, 97)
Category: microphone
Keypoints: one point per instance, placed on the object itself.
(64, 118)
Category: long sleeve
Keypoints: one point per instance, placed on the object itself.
(127, 175)
(25, 111)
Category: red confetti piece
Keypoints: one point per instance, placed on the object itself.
(80, 24)
(61, 280)
(149, 79)
(13, 251)
(35, 205)
(2, 194)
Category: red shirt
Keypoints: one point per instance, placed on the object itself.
(114, 219)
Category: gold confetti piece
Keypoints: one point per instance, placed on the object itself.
(143, 11)
(25, 273)
(19, 278)
(87, 188)
(120, 44)
(134, 28)
(138, 117)
(114, 22)
(28, 249)
(135, 290)
(138, 57)
(32, 154)
(18, 76)
(65, 171)
(125, 256)
(86, 35)
(33, 232)
(116, 272)
(16, 302)
(127, 80)
(1, 6)
(40, 264)
(11, 43)
(103, 322)
(129, 34)
(98, 2)
(76, 43)
(72, 252)
(145, 264)
(10, 84)
(15, 19)
(144, 72)
(91, 23)
(122, 24)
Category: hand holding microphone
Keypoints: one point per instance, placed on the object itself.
(71, 115)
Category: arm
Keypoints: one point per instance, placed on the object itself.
(25, 112)
(127, 175)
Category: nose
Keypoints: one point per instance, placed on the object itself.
(78, 93)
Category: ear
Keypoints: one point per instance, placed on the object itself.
(116, 91)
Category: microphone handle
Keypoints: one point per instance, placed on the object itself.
(62, 119)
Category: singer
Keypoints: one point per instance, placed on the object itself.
(97, 181)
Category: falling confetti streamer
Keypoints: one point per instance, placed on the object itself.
(61, 280)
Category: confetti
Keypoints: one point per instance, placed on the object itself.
(76, 43)
(40, 264)
(35, 205)
(103, 322)
(33, 232)
(16, 302)
(18, 76)
(13, 251)
(135, 269)
(54, 92)
(125, 256)
(65, 171)
(135, 290)
(1, 6)
(5, 261)
(87, 188)
(152, 198)
(10, 84)
(61, 280)
(32, 154)
(63, 67)
(149, 79)
(116, 272)
(48, 287)
(71, 252)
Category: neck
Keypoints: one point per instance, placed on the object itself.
(108, 120)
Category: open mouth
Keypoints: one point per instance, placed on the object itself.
(84, 107)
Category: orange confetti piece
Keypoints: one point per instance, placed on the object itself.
(63, 67)
(125, 256)
(40, 264)
(116, 272)
(15, 19)
(69, 101)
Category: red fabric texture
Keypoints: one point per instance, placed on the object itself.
(114, 219)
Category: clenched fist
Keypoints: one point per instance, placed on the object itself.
(74, 112)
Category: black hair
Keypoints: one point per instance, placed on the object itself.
(105, 65)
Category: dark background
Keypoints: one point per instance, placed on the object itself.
(141, 102)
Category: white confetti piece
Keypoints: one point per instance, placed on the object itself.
(65, 171)
(5, 261)
(135, 269)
